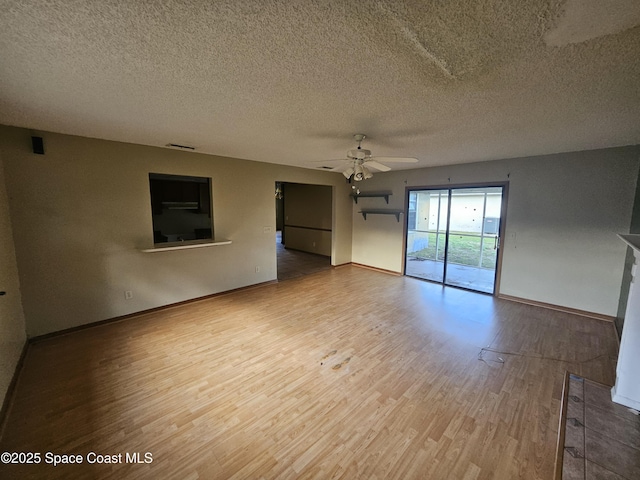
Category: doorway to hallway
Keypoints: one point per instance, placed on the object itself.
(453, 235)
(304, 216)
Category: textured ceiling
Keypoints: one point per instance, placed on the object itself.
(291, 81)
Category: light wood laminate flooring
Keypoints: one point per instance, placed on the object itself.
(347, 373)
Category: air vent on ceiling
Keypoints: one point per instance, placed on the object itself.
(184, 147)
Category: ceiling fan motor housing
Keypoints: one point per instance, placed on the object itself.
(359, 154)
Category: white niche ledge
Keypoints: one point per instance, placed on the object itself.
(165, 247)
(627, 388)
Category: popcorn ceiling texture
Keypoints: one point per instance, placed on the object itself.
(291, 81)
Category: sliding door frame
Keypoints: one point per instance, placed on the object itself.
(454, 186)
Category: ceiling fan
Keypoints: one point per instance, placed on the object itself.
(360, 160)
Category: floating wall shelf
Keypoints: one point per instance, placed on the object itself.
(384, 195)
(397, 213)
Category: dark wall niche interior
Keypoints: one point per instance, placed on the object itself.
(181, 208)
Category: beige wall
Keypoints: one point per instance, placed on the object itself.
(307, 218)
(564, 212)
(12, 325)
(307, 240)
(82, 212)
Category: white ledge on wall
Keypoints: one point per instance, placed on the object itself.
(627, 388)
(633, 240)
(165, 247)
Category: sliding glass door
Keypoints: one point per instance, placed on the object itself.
(453, 236)
(426, 235)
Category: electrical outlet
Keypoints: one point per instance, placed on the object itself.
(257, 269)
(313, 244)
(128, 294)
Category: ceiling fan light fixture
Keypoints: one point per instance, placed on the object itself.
(366, 172)
(358, 173)
(348, 172)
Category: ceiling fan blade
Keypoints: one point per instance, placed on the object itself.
(395, 159)
(376, 165)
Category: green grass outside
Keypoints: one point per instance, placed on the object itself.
(463, 250)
